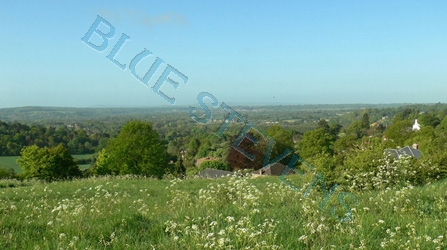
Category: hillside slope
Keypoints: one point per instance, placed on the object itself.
(229, 213)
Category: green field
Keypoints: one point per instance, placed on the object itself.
(229, 213)
(10, 162)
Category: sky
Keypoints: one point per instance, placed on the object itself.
(241, 52)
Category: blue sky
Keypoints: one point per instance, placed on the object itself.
(270, 52)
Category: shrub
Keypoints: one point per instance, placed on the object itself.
(48, 163)
(7, 173)
(396, 172)
(214, 165)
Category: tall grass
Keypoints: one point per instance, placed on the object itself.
(229, 213)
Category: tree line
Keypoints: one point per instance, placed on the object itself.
(345, 154)
(14, 136)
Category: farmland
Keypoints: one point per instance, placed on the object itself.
(9, 162)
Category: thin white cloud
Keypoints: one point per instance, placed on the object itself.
(141, 18)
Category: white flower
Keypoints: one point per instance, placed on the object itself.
(381, 221)
(302, 238)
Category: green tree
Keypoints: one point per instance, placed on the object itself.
(48, 163)
(429, 119)
(399, 132)
(365, 121)
(179, 168)
(193, 147)
(323, 125)
(101, 164)
(345, 144)
(204, 149)
(136, 150)
(214, 165)
(357, 129)
(283, 140)
(317, 141)
(406, 114)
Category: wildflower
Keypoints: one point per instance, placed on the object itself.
(302, 238)
(221, 241)
(381, 221)
(230, 219)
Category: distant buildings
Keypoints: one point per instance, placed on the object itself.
(273, 169)
(410, 151)
(215, 173)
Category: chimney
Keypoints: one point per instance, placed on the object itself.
(415, 146)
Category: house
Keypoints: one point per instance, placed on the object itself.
(273, 169)
(214, 173)
(416, 126)
(410, 151)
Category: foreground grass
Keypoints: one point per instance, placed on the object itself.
(229, 213)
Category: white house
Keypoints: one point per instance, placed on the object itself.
(416, 126)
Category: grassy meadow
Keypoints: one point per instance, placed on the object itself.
(9, 162)
(230, 213)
